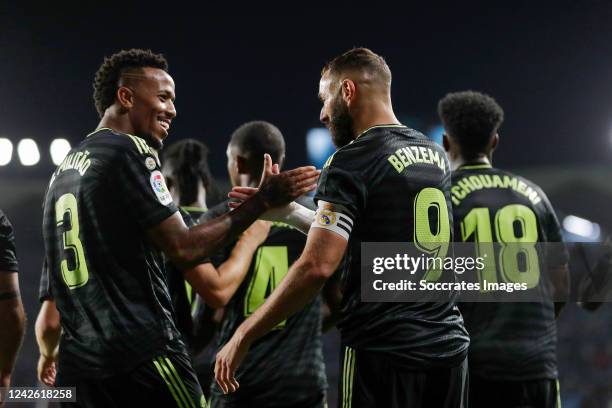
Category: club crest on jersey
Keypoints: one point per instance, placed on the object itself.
(159, 188)
(150, 163)
(326, 217)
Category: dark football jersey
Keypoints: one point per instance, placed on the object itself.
(509, 341)
(8, 254)
(382, 178)
(108, 281)
(285, 367)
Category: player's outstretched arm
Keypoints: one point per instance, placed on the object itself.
(322, 254)
(217, 285)
(294, 214)
(48, 332)
(12, 324)
(187, 247)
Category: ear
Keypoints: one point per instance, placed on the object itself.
(494, 142)
(242, 165)
(445, 143)
(349, 90)
(125, 96)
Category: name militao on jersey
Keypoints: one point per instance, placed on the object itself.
(285, 367)
(509, 341)
(378, 180)
(108, 282)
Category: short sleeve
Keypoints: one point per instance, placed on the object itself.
(143, 190)
(44, 289)
(340, 184)
(557, 254)
(8, 253)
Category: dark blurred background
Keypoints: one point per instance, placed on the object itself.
(547, 65)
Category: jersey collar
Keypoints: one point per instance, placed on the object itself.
(393, 125)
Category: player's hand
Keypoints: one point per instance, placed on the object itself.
(227, 362)
(46, 370)
(256, 234)
(277, 189)
(241, 194)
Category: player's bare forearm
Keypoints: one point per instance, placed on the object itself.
(187, 247)
(48, 329)
(12, 322)
(235, 268)
(332, 298)
(217, 285)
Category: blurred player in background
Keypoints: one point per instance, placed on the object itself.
(512, 352)
(185, 167)
(395, 354)
(12, 316)
(286, 367)
(108, 215)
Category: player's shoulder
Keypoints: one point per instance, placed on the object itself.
(520, 178)
(121, 142)
(6, 229)
(374, 143)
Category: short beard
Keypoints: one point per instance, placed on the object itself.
(341, 124)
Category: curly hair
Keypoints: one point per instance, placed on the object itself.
(107, 77)
(189, 160)
(471, 118)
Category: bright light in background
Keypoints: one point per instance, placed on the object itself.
(435, 133)
(27, 149)
(582, 227)
(319, 146)
(6, 151)
(59, 149)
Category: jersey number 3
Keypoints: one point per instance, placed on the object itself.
(67, 219)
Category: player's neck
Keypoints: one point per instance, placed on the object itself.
(379, 114)
(460, 161)
(119, 123)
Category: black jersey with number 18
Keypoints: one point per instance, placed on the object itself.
(509, 341)
(387, 180)
(108, 281)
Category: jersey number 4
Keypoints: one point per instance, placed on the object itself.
(75, 273)
(271, 267)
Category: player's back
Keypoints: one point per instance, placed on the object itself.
(509, 341)
(107, 280)
(393, 183)
(285, 367)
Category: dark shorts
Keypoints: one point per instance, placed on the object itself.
(165, 381)
(369, 380)
(219, 401)
(514, 394)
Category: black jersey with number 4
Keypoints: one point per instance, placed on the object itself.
(509, 341)
(382, 179)
(108, 281)
(285, 367)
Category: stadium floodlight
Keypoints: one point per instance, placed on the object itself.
(582, 227)
(59, 149)
(27, 149)
(6, 151)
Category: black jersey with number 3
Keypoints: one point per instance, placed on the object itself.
(108, 281)
(509, 341)
(285, 367)
(387, 180)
